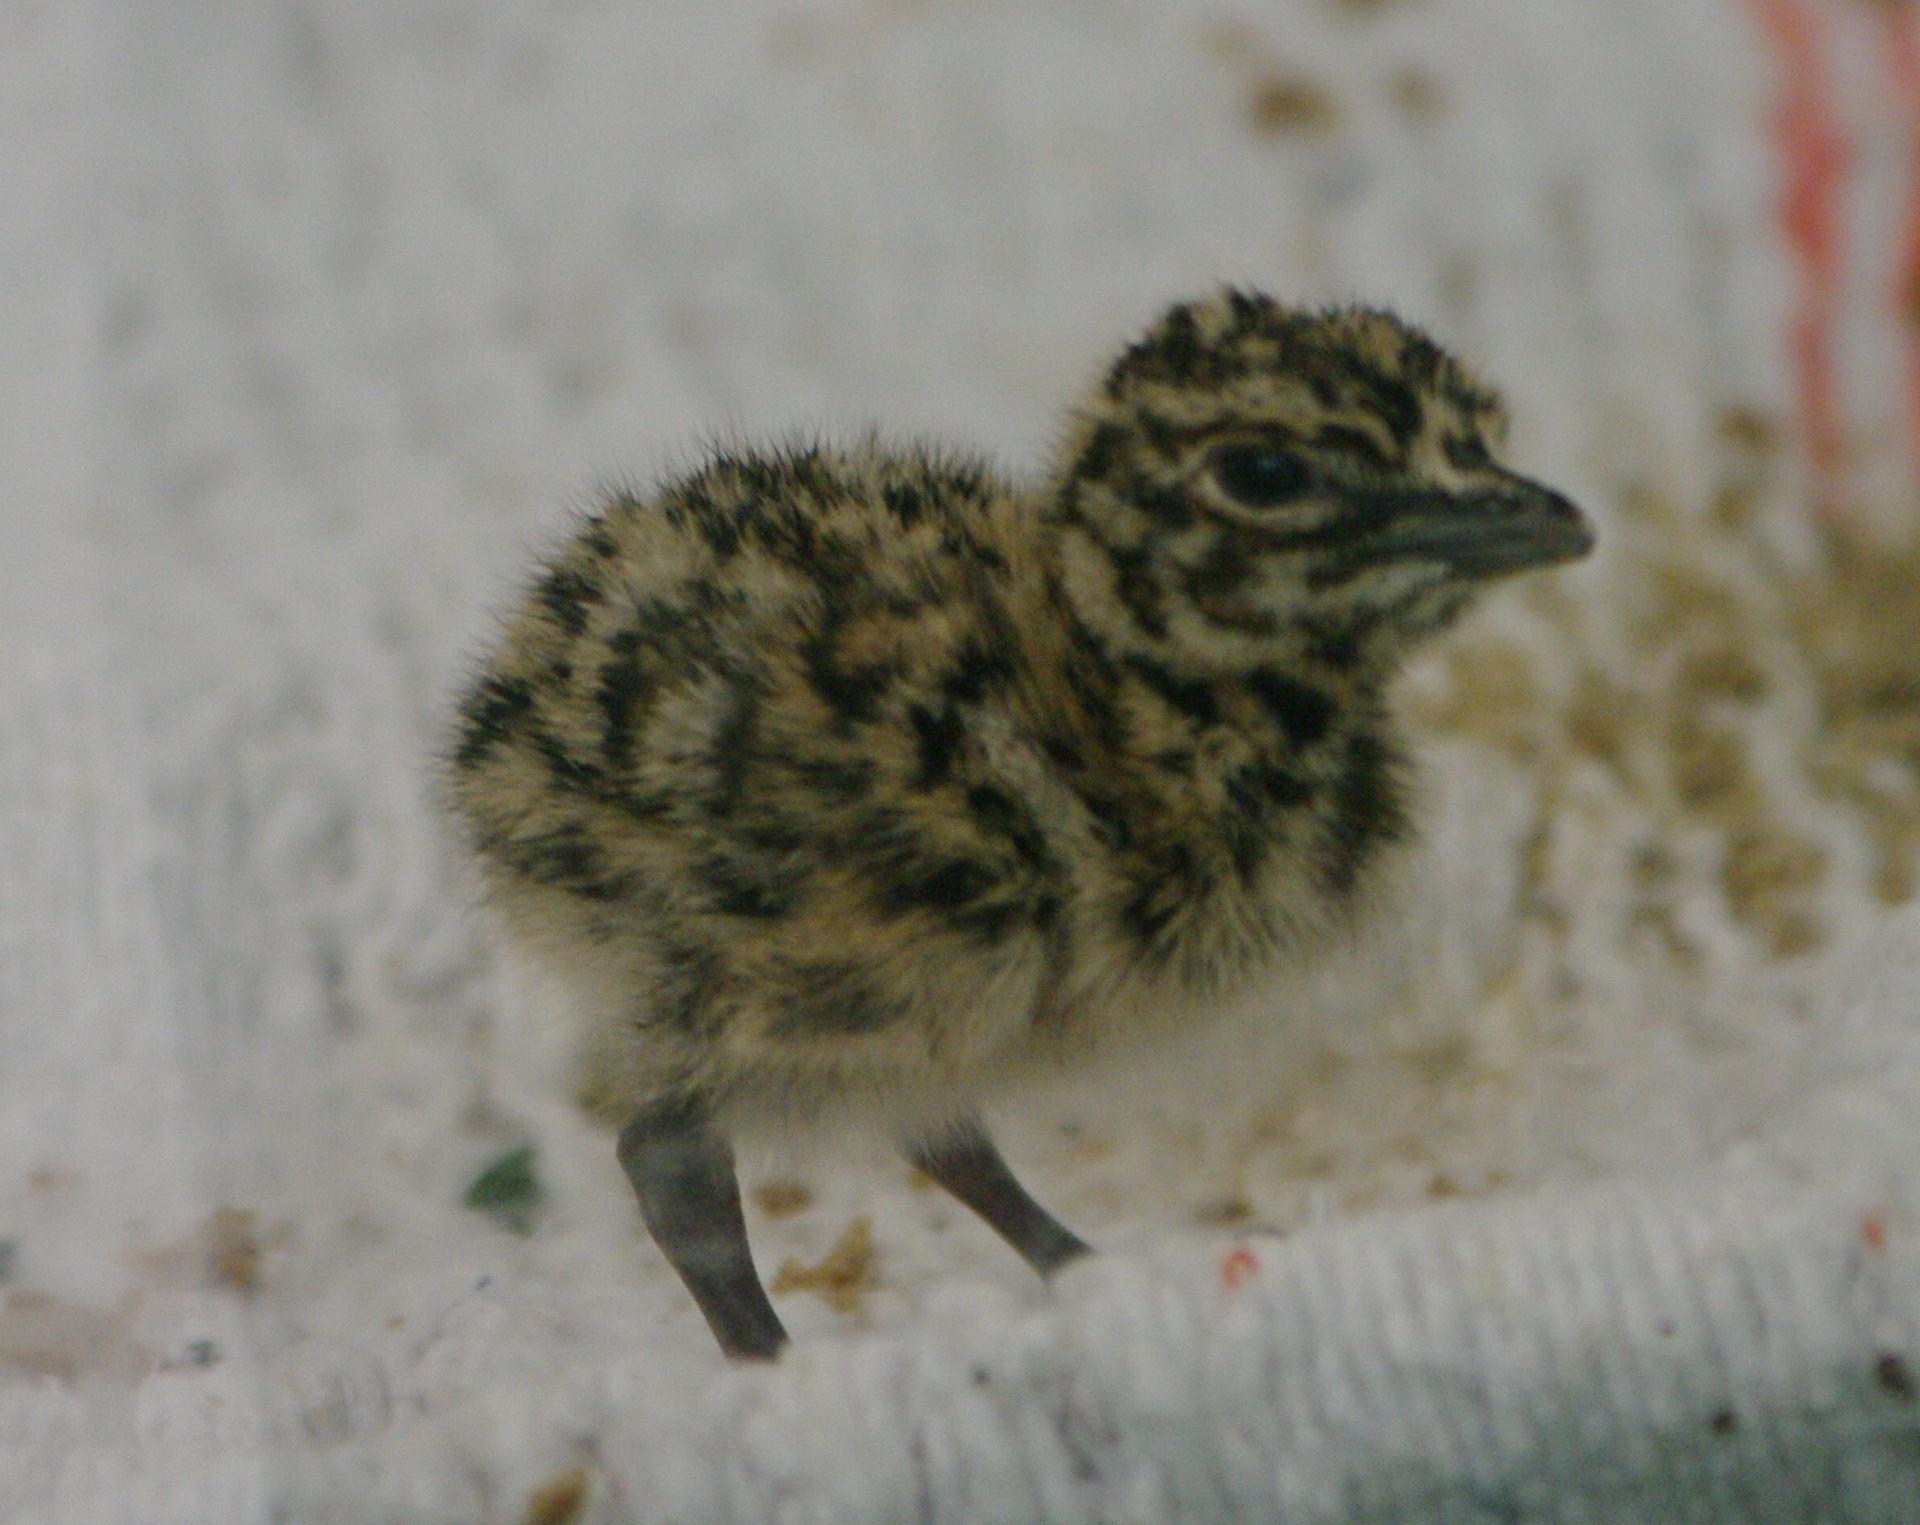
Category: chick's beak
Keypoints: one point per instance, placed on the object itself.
(1490, 531)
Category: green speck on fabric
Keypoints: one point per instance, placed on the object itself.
(508, 1191)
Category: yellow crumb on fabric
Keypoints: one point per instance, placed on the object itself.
(843, 1276)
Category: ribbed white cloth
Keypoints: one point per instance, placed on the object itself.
(315, 313)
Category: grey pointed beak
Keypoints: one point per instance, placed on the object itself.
(1491, 531)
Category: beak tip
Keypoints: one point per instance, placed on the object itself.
(1564, 531)
(1580, 536)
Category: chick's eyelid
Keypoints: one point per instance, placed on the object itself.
(1352, 440)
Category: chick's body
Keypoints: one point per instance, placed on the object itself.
(807, 766)
(862, 783)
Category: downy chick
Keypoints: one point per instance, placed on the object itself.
(865, 783)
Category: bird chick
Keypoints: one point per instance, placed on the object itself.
(866, 783)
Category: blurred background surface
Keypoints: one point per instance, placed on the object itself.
(323, 316)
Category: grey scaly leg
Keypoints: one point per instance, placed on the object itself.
(965, 1162)
(682, 1172)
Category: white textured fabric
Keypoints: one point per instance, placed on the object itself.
(316, 317)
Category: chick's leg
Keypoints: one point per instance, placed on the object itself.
(682, 1171)
(966, 1163)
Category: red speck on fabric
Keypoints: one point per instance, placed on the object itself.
(1236, 1266)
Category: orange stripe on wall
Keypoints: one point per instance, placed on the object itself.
(1903, 55)
(1815, 159)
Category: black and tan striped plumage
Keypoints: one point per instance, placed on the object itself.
(864, 782)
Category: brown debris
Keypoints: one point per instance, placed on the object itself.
(1763, 864)
(1417, 95)
(1532, 892)
(1652, 865)
(1896, 833)
(1689, 601)
(233, 1249)
(1491, 696)
(1855, 620)
(1223, 1212)
(1748, 428)
(1724, 670)
(1657, 917)
(1599, 715)
(782, 1199)
(1441, 1059)
(1288, 103)
(1706, 649)
(843, 1277)
(558, 1502)
(1443, 1186)
(1767, 872)
(1709, 766)
(1091, 1147)
(46, 1336)
(1731, 507)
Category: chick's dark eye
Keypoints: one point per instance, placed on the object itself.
(1259, 475)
